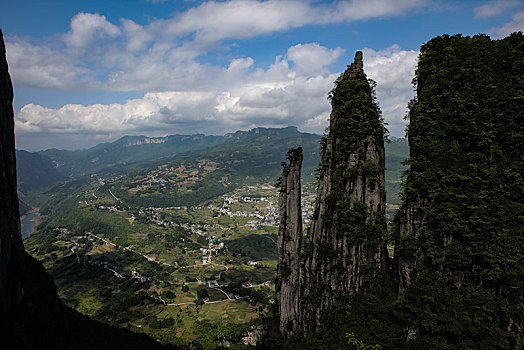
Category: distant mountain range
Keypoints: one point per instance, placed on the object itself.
(257, 153)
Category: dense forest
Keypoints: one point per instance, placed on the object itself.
(460, 241)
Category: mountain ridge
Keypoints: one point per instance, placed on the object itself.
(128, 152)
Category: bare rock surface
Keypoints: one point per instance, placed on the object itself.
(289, 242)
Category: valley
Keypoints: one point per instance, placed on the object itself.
(162, 269)
(182, 249)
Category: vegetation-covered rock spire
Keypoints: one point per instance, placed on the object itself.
(346, 243)
(460, 245)
(458, 271)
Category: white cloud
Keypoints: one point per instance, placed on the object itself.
(392, 69)
(137, 36)
(494, 8)
(186, 96)
(353, 10)
(96, 54)
(241, 19)
(86, 28)
(240, 64)
(43, 67)
(516, 25)
(153, 112)
(278, 96)
(310, 58)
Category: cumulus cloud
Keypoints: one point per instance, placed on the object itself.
(152, 112)
(516, 25)
(494, 8)
(309, 58)
(281, 95)
(96, 54)
(88, 27)
(183, 95)
(137, 37)
(392, 69)
(277, 96)
(44, 67)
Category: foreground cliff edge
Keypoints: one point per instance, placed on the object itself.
(31, 315)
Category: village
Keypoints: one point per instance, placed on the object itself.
(219, 254)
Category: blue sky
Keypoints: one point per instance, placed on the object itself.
(87, 72)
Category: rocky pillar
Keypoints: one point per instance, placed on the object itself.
(346, 244)
(289, 242)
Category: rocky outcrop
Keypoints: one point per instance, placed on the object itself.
(411, 226)
(289, 243)
(459, 246)
(142, 140)
(346, 243)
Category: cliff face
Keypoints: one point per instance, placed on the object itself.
(10, 239)
(289, 242)
(346, 243)
(459, 250)
(20, 275)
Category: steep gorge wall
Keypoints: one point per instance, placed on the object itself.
(32, 316)
(10, 239)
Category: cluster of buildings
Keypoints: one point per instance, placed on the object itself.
(213, 247)
(269, 218)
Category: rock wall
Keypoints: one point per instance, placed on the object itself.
(346, 244)
(411, 226)
(10, 239)
(289, 243)
(459, 247)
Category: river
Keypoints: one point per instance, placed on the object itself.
(28, 222)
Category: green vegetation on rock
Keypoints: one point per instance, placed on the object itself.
(465, 264)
